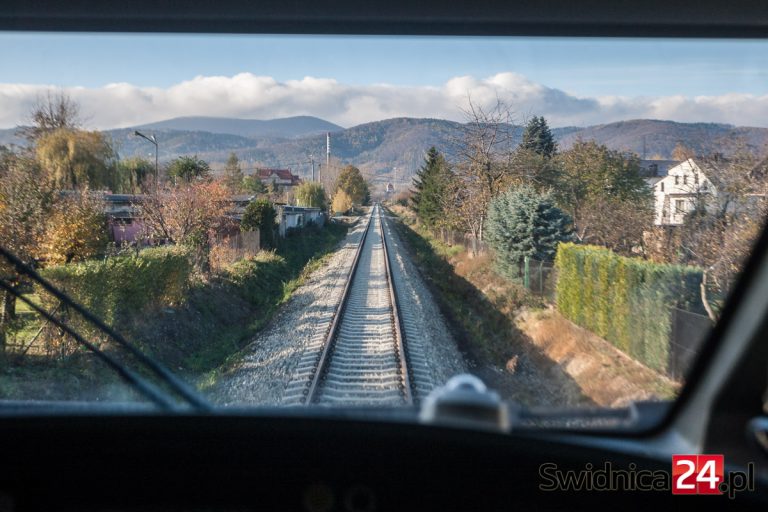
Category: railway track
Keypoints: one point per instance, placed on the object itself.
(363, 360)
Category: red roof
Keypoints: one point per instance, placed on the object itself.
(283, 174)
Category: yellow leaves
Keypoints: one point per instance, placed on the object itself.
(341, 202)
(76, 229)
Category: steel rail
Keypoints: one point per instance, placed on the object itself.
(397, 321)
(330, 337)
(326, 356)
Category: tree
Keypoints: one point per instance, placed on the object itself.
(188, 169)
(310, 194)
(430, 187)
(51, 113)
(253, 185)
(132, 175)
(25, 201)
(529, 167)
(75, 159)
(522, 222)
(482, 167)
(682, 152)
(351, 181)
(261, 215)
(77, 229)
(342, 203)
(538, 138)
(187, 215)
(233, 175)
(593, 178)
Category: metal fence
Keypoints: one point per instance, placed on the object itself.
(688, 331)
(539, 277)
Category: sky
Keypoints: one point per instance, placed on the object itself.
(129, 79)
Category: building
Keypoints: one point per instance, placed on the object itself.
(681, 187)
(122, 210)
(279, 177)
(296, 217)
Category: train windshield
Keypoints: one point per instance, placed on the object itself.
(335, 221)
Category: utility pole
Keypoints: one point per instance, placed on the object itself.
(327, 149)
(312, 159)
(153, 140)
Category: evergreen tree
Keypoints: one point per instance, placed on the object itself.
(538, 138)
(189, 168)
(430, 186)
(253, 185)
(233, 175)
(522, 222)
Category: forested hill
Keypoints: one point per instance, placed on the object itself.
(379, 147)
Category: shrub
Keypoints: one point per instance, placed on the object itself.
(258, 279)
(627, 301)
(261, 215)
(123, 287)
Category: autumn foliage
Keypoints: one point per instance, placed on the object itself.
(77, 229)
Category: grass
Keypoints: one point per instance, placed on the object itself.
(218, 317)
(609, 376)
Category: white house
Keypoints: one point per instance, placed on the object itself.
(678, 187)
(296, 217)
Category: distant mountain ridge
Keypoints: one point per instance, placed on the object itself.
(288, 127)
(650, 137)
(395, 147)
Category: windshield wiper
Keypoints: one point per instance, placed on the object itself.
(152, 392)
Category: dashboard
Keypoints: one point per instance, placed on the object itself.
(145, 462)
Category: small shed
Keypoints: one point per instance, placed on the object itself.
(296, 217)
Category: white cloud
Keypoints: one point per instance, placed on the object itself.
(262, 97)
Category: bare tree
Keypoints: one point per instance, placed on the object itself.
(51, 112)
(188, 215)
(482, 165)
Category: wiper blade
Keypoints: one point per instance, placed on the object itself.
(144, 387)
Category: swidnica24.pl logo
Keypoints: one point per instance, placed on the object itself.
(690, 474)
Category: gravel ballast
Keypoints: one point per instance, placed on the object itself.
(265, 370)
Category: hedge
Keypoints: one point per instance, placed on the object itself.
(626, 301)
(120, 288)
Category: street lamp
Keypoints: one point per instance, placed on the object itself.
(153, 140)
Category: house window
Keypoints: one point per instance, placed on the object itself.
(677, 180)
(685, 180)
(661, 185)
(696, 179)
(679, 206)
